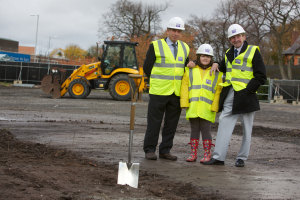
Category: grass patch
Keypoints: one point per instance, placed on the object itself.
(5, 84)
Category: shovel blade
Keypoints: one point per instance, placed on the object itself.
(128, 176)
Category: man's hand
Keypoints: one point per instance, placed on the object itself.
(214, 68)
(191, 64)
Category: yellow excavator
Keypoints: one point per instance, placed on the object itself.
(110, 73)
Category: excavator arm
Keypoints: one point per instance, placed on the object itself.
(55, 84)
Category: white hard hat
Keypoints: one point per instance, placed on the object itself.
(235, 29)
(205, 49)
(176, 23)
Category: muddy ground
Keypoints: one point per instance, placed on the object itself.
(70, 149)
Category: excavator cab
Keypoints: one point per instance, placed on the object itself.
(111, 73)
(118, 60)
(118, 54)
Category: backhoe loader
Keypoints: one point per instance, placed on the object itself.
(110, 73)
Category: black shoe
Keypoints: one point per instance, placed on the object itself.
(213, 162)
(150, 156)
(167, 156)
(239, 163)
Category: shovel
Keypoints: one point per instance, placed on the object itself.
(128, 171)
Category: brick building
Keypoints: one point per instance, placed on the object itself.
(292, 54)
(26, 50)
(9, 45)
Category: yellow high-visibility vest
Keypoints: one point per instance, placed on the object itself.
(167, 71)
(201, 94)
(240, 71)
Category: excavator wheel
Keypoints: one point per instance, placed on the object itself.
(79, 89)
(119, 87)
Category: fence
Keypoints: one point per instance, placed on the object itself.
(31, 73)
(60, 61)
(288, 90)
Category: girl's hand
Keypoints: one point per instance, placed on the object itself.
(191, 64)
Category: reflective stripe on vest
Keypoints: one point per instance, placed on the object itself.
(201, 94)
(163, 56)
(209, 88)
(240, 72)
(166, 77)
(167, 73)
(200, 99)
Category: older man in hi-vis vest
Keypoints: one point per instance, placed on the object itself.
(245, 72)
(164, 65)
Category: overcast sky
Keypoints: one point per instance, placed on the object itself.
(64, 22)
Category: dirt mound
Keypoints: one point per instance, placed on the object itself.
(34, 171)
(36, 150)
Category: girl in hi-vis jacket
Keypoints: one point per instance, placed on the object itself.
(200, 92)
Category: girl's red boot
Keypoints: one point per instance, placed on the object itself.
(194, 147)
(207, 150)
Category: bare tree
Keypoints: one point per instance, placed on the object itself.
(207, 31)
(214, 30)
(265, 21)
(248, 14)
(230, 12)
(127, 19)
(255, 21)
(281, 16)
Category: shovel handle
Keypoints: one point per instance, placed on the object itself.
(132, 113)
(133, 98)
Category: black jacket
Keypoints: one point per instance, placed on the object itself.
(150, 60)
(245, 100)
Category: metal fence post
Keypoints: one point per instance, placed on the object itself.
(297, 95)
(270, 90)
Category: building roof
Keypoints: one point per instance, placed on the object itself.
(294, 49)
(5, 39)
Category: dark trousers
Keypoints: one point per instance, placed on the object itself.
(159, 107)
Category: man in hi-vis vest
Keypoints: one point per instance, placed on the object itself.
(164, 65)
(245, 72)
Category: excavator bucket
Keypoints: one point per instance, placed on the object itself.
(55, 93)
(46, 84)
(51, 83)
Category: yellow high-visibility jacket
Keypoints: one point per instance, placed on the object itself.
(167, 72)
(200, 93)
(240, 72)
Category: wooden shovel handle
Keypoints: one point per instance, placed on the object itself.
(133, 99)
